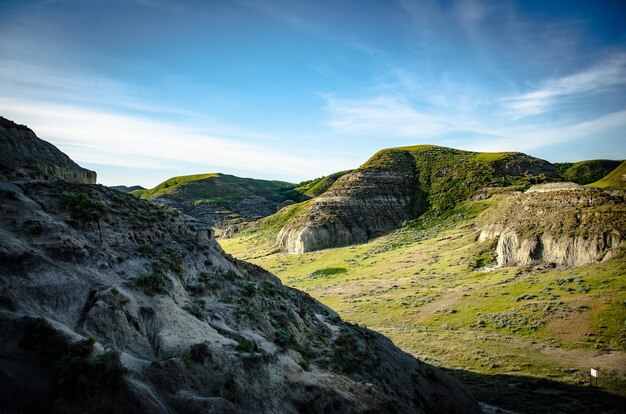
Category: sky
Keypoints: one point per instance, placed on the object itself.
(143, 90)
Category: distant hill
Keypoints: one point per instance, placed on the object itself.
(221, 199)
(400, 184)
(125, 189)
(586, 172)
(615, 180)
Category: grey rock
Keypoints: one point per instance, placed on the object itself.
(24, 155)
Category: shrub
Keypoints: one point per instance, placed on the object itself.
(154, 282)
(82, 207)
(230, 275)
(196, 308)
(246, 345)
(284, 337)
(205, 277)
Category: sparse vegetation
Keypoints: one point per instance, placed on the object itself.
(153, 282)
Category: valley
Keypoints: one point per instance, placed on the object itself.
(438, 294)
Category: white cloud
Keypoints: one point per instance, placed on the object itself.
(382, 115)
(99, 137)
(607, 75)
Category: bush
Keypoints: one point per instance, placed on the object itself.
(196, 308)
(82, 207)
(230, 275)
(284, 337)
(246, 345)
(154, 282)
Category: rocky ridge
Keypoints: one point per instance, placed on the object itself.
(399, 184)
(26, 156)
(558, 224)
(109, 303)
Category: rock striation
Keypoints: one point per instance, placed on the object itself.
(109, 303)
(399, 184)
(559, 224)
(24, 155)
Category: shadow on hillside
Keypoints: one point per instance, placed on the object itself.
(536, 395)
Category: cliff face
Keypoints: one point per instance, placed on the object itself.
(24, 155)
(400, 184)
(109, 303)
(562, 224)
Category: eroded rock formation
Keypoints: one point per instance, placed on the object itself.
(562, 224)
(24, 155)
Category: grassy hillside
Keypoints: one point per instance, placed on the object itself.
(586, 172)
(615, 180)
(318, 186)
(523, 338)
(221, 189)
(447, 176)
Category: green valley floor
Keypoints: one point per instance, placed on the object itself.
(523, 338)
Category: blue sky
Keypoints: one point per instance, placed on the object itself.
(142, 90)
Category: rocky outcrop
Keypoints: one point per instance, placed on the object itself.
(561, 224)
(24, 155)
(359, 206)
(109, 303)
(400, 184)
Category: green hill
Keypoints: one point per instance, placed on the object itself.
(615, 180)
(586, 172)
(400, 184)
(221, 189)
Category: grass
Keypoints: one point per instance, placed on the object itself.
(615, 180)
(425, 286)
(217, 189)
(586, 172)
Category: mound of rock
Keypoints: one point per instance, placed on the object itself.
(24, 155)
(561, 224)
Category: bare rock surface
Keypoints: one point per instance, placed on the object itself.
(24, 155)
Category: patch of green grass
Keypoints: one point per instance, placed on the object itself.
(328, 271)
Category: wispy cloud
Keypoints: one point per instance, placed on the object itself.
(102, 121)
(385, 115)
(603, 77)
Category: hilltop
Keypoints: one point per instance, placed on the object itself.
(400, 184)
(126, 189)
(24, 155)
